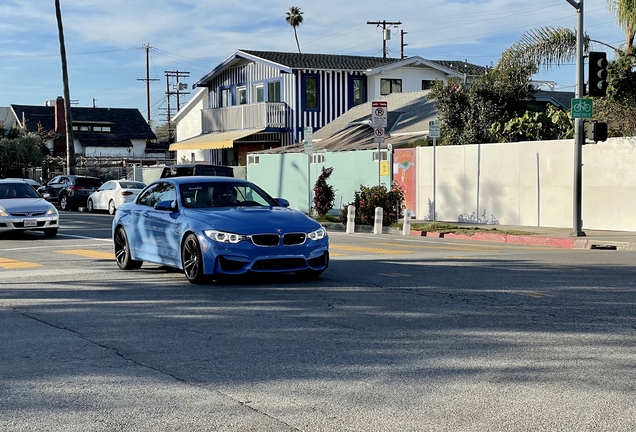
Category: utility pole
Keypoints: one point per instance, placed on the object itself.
(147, 47)
(579, 133)
(176, 90)
(402, 44)
(385, 35)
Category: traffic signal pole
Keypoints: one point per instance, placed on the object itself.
(579, 132)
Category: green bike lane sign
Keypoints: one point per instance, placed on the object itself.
(582, 108)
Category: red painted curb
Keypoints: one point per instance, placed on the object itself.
(566, 243)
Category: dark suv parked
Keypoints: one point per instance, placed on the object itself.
(71, 191)
(183, 170)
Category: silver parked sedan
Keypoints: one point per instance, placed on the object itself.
(22, 208)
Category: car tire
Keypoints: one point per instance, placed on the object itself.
(64, 204)
(50, 232)
(111, 207)
(89, 206)
(309, 274)
(122, 252)
(192, 260)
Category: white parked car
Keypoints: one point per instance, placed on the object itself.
(113, 194)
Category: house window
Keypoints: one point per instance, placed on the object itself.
(273, 91)
(258, 93)
(428, 84)
(101, 128)
(226, 98)
(75, 128)
(358, 91)
(84, 128)
(390, 85)
(253, 160)
(311, 92)
(241, 95)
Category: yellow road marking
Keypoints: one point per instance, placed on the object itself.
(14, 264)
(459, 257)
(335, 254)
(89, 253)
(367, 249)
(533, 294)
(459, 248)
(395, 275)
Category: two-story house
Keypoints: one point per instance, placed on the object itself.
(97, 132)
(256, 100)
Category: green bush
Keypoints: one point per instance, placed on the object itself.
(367, 199)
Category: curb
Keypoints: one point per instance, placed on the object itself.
(556, 242)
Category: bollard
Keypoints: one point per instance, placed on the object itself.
(351, 219)
(377, 226)
(406, 227)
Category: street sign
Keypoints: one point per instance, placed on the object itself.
(434, 129)
(379, 114)
(378, 134)
(309, 143)
(582, 108)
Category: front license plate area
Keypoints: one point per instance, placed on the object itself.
(30, 223)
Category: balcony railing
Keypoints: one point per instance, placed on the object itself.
(254, 116)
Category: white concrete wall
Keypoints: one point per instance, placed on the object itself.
(530, 184)
(190, 125)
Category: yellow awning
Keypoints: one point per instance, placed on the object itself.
(214, 140)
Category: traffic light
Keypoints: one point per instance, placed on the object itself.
(597, 74)
(596, 131)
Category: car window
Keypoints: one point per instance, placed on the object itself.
(156, 193)
(88, 182)
(105, 186)
(132, 185)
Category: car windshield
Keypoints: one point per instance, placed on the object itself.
(226, 194)
(17, 190)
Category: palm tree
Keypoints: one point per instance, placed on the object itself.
(294, 19)
(553, 46)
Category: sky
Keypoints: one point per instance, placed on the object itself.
(107, 61)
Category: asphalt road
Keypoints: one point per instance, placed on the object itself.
(400, 334)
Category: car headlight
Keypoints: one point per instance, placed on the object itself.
(52, 211)
(3, 212)
(319, 234)
(224, 237)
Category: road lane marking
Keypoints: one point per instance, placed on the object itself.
(395, 275)
(371, 250)
(15, 264)
(533, 294)
(89, 253)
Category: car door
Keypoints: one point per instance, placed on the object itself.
(53, 187)
(99, 198)
(154, 229)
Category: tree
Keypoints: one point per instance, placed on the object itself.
(468, 112)
(554, 124)
(294, 19)
(24, 151)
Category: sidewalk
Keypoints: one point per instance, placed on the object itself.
(541, 236)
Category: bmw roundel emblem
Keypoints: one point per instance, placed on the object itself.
(278, 230)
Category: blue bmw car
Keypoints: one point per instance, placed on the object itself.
(217, 226)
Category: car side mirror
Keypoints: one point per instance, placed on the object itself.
(169, 205)
(45, 195)
(282, 202)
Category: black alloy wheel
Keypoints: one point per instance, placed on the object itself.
(122, 252)
(191, 259)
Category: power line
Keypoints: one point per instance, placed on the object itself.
(385, 35)
(147, 47)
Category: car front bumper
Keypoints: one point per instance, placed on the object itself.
(24, 224)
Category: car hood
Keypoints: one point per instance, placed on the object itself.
(25, 205)
(252, 220)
